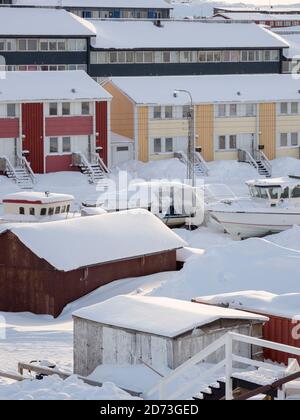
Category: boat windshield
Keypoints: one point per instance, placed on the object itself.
(267, 193)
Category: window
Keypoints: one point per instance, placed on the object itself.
(68, 208)
(85, 108)
(43, 212)
(32, 211)
(294, 108)
(209, 56)
(283, 140)
(232, 141)
(296, 192)
(283, 108)
(11, 110)
(32, 45)
(53, 108)
(157, 145)
(22, 210)
(63, 209)
(53, 145)
(129, 57)
(222, 143)
(57, 210)
(157, 112)
(186, 111)
(66, 108)
(51, 211)
(250, 110)
(22, 45)
(148, 57)
(169, 144)
(166, 56)
(113, 57)
(222, 110)
(202, 57)
(233, 110)
(66, 144)
(294, 139)
(168, 112)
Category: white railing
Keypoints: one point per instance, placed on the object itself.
(97, 159)
(227, 341)
(6, 165)
(245, 156)
(26, 165)
(260, 155)
(197, 159)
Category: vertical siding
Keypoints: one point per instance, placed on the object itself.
(204, 129)
(143, 129)
(267, 128)
(101, 128)
(122, 112)
(33, 130)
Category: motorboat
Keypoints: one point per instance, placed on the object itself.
(174, 203)
(33, 207)
(272, 207)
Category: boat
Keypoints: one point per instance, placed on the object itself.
(174, 203)
(272, 207)
(33, 207)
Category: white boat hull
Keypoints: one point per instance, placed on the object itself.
(242, 225)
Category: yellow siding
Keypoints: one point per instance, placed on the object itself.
(168, 128)
(288, 124)
(204, 130)
(239, 125)
(226, 155)
(267, 128)
(122, 112)
(143, 130)
(288, 152)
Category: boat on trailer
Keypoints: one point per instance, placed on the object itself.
(272, 207)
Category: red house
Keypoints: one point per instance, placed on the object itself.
(52, 121)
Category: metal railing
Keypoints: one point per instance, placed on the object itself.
(245, 156)
(197, 159)
(26, 165)
(260, 155)
(227, 341)
(79, 159)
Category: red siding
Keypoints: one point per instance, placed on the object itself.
(69, 126)
(59, 163)
(101, 128)
(9, 128)
(32, 122)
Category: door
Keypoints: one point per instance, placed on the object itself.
(122, 153)
(8, 148)
(247, 142)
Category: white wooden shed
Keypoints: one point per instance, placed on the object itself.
(160, 332)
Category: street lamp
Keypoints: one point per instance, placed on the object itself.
(191, 137)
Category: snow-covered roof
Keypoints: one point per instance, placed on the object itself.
(120, 4)
(86, 241)
(250, 16)
(272, 9)
(209, 89)
(182, 34)
(36, 197)
(293, 39)
(286, 305)
(50, 85)
(42, 22)
(283, 181)
(158, 315)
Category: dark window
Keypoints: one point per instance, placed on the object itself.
(296, 192)
(53, 109)
(43, 212)
(32, 211)
(51, 211)
(85, 108)
(21, 210)
(57, 210)
(66, 108)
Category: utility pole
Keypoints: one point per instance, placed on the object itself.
(191, 138)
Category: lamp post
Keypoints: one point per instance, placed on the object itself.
(191, 137)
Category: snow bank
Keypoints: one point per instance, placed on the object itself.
(255, 264)
(54, 388)
(285, 305)
(143, 313)
(287, 239)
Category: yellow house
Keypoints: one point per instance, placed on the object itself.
(231, 113)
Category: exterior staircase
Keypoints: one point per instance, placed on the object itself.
(258, 160)
(94, 168)
(200, 166)
(20, 172)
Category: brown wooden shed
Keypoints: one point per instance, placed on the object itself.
(45, 266)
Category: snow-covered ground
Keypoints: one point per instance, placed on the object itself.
(271, 264)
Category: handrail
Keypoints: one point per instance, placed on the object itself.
(83, 160)
(9, 166)
(100, 162)
(25, 164)
(247, 157)
(226, 340)
(265, 160)
(201, 160)
(197, 157)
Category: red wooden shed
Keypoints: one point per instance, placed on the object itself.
(45, 266)
(283, 312)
